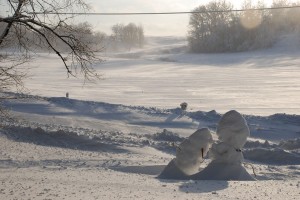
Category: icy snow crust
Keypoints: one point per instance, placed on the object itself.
(83, 148)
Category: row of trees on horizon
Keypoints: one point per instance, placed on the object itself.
(122, 37)
(211, 31)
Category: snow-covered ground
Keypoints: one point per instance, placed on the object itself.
(111, 139)
(163, 75)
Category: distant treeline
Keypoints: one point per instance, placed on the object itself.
(129, 35)
(123, 37)
(240, 31)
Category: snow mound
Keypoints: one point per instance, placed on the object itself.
(223, 171)
(172, 171)
(191, 152)
(286, 118)
(273, 156)
(290, 144)
(208, 116)
(59, 138)
(166, 135)
(189, 155)
(257, 144)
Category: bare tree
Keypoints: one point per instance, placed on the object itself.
(211, 30)
(129, 35)
(38, 23)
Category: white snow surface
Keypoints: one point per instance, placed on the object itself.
(163, 75)
(112, 139)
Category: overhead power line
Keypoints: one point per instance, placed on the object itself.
(162, 13)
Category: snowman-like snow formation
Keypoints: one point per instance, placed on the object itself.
(226, 154)
(189, 155)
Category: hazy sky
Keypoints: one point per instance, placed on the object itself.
(173, 25)
(153, 24)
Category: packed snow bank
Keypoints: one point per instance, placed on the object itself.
(272, 156)
(286, 118)
(59, 138)
(172, 171)
(166, 135)
(224, 171)
(290, 144)
(162, 129)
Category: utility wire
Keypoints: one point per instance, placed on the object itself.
(162, 13)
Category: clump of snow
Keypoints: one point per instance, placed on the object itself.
(166, 135)
(224, 153)
(190, 153)
(233, 129)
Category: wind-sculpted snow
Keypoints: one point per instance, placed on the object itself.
(286, 118)
(290, 144)
(88, 139)
(160, 129)
(92, 140)
(166, 135)
(272, 156)
(208, 116)
(258, 144)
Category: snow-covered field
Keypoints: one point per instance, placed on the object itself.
(111, 139)
(162, 75)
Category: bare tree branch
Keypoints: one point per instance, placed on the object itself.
(82, 56)
(27, 31)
